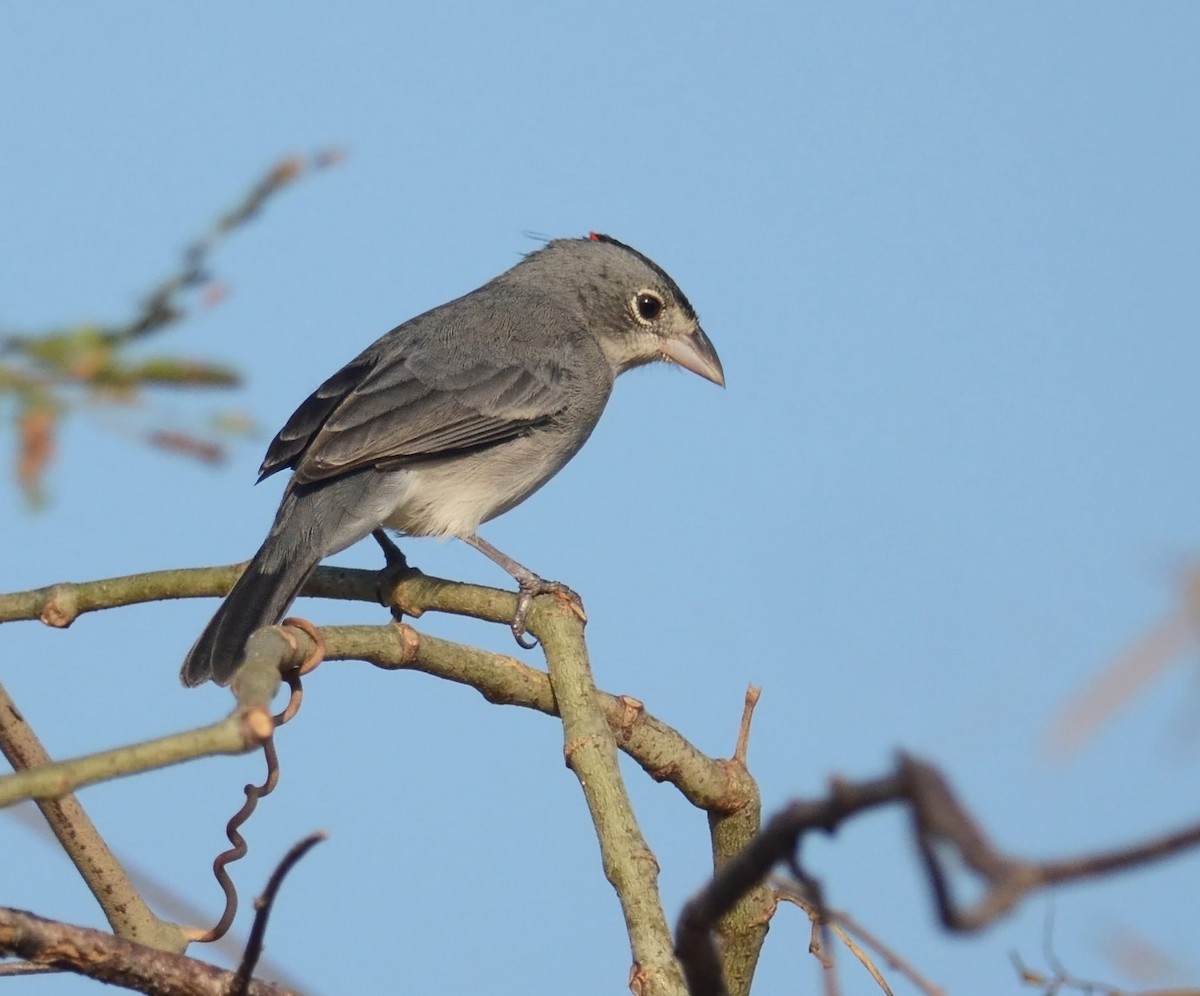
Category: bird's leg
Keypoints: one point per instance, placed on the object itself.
(391, 553)
(395, 565)
(529, 586)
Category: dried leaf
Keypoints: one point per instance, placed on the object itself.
(36, 424)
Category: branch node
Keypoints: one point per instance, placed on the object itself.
(258, 725)
(631, 711)
(572, 747)
(61, 607)
(410, 643)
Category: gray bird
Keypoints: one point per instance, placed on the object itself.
(455, 417)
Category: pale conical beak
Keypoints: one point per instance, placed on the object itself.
(694, 351)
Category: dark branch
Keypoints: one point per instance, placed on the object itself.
(940, 824)
(241, 980)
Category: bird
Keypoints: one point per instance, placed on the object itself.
(455, 417)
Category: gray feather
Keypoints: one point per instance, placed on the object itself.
(313, 522)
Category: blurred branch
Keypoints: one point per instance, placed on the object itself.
(1121, 680)
(1060, 980)
(55, 371)
(940, 825)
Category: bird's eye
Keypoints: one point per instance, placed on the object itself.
(648, 306)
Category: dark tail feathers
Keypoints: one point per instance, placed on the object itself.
(314, 520)
(260, 597)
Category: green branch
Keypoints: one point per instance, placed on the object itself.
(124, 908)
(596, 724)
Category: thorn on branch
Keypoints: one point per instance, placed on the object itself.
(753, 693)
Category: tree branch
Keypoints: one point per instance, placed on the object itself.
(124, 908)
(243, 730)
(723, 788)
(263, 905)
(940, 823)
(591, 753)
(99, 955)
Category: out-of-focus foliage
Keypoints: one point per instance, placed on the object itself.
(48, 375)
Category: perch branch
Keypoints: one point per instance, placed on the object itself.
(723, 788)
(590, 750)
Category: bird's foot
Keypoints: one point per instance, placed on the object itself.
(396, 565)
(528, 589)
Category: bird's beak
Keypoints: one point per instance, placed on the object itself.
(693, 351)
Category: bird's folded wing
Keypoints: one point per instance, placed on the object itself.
(387, 415)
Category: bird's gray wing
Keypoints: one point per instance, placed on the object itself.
(383, 413)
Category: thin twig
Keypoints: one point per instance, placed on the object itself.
(863, 958)
(171, 904)
(10, 969)
(242, 731)
(262, 905)
(743, 741)
(889, 954)
(794, 892)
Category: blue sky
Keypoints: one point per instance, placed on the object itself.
(948, 256)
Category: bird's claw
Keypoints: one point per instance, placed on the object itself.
(528, 590)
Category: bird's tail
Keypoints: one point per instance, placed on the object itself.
(268, 585)
(314, 521)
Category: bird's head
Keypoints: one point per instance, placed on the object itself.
(630, 303)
